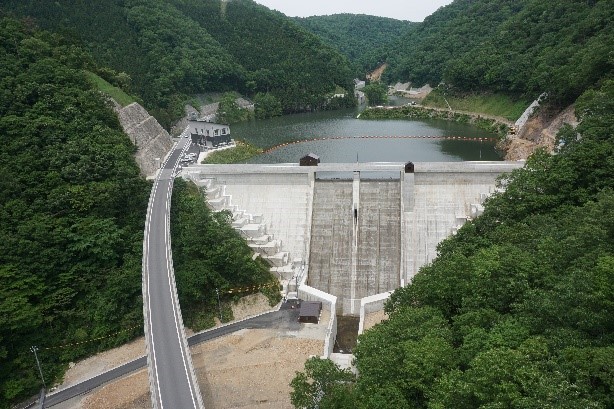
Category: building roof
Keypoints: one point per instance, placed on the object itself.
(310, 309)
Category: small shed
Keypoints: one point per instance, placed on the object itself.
(310, 311)
(310, 160)
(409, 167)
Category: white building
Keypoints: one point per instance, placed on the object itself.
(209, 134)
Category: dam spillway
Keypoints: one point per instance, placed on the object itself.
(350, 238)
(378, 259)
(331, 237)
(355, 239)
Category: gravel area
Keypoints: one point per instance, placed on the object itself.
(246, 369)
(374, 318)
(103, 362)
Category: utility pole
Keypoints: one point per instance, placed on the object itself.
(40, 371)
(219, 305)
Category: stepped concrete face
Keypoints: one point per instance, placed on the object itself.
(280, 201)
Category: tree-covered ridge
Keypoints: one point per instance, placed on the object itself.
(72, 207)
(518, 47)
(280, 58)
(172, 49)
(363, 39)
(517, 310)
(72, 212)
(421, 56)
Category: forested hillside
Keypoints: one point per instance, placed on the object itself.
(363, 39)
(521, 47)
(517, 310)
(280, 58)
(72, 210)
(164, 51)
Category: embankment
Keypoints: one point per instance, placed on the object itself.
(499, 126)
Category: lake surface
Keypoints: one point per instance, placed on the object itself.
(349, 139)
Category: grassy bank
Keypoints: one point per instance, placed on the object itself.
(242, 152)
(117, 94)
(489, 104)
(412, 112)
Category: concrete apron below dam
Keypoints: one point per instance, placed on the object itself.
(350, 241)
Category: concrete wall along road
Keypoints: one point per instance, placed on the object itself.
(151, 140)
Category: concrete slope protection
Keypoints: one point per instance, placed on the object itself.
(171, 374)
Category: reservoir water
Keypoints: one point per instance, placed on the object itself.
(341, 137)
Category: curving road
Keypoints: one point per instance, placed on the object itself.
(172, 380)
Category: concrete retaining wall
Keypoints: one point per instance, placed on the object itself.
(329, 302)
(371, 304)
(152, 141)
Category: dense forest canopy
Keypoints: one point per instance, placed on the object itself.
(72, 211)
(72, 206)
(361, 38)
(522, 48)
(164, 51)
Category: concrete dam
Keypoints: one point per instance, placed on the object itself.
(348, 241)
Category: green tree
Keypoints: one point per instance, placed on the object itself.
(230, 112)
(322, 385)
(266, 106)
(377, 93)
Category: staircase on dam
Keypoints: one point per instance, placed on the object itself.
(355, 239)
(252, 226)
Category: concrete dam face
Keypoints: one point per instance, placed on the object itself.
(348, 243)
(355, 240)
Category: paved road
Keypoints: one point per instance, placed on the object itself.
(283, 319)
(171, 374)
